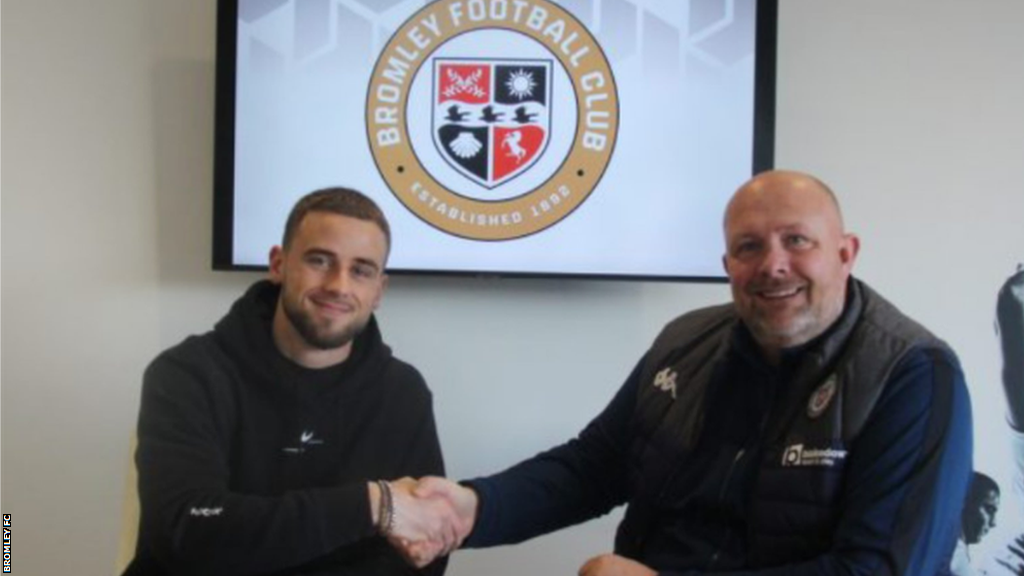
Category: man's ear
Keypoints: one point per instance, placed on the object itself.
(849, 249)
(276, 260)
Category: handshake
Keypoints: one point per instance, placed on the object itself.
(427, 518)
(423, 519)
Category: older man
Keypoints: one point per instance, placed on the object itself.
(807, 428)
(262, 442)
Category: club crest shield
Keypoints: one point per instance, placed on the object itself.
(492, 118)
(822, 397)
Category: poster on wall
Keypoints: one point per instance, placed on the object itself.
(992, 530)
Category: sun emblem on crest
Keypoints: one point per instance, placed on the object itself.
(521, 84)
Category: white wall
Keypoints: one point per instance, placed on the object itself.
(911, 110)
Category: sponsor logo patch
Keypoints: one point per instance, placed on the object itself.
(800, 455)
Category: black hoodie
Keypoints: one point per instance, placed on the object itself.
(250, 464)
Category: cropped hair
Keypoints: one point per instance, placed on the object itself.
(336, 200)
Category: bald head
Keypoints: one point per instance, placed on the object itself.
(774, 180)
(788, 258)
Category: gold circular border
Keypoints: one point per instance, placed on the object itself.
(569, 186)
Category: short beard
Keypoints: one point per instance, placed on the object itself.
(313, 336)
(804, 328)
(794, 335)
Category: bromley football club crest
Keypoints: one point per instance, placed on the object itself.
(491, 118)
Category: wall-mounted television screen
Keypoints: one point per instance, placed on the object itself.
(573, 138)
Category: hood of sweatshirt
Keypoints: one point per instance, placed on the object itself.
(245, 334)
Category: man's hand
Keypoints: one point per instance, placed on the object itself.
(463, 500)
(459, 504)
(423, 528)
(430, 518)
(612, 565)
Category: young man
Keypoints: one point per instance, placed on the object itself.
(262, 442)
(807, 428)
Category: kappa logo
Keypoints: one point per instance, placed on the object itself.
(798, 455)
(666, 381)
(492, 119)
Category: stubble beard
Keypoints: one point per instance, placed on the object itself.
(770, 335)
(316, 336)
(805, 325)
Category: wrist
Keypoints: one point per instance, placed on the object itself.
(472, 504)
(373, 496)
(385, 517)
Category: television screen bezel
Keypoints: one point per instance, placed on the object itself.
(765, 47)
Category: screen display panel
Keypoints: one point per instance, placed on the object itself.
(586, 138)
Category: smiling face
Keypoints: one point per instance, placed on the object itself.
(787, 259)
(332, 279)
